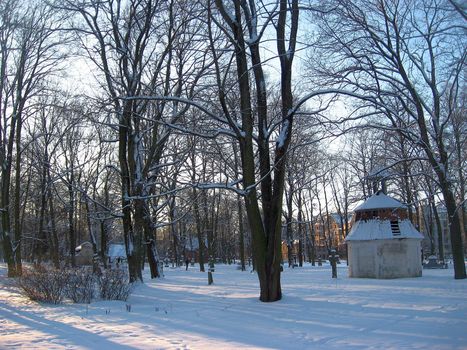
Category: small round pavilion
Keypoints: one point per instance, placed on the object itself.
(383, 243)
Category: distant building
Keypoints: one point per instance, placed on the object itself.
(84, 254)
(294, 250)
(191, 249)
(326, 232)
(330, 233)
(383, 243)
(116, 252)
(429, 229)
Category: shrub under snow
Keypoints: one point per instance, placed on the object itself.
(113, 285)
(44, 284)
(81, 285)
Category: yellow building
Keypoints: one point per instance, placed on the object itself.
(327, 232)
(330, 233)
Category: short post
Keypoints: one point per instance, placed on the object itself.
(333, 258)
(210, 279)
(210, 271)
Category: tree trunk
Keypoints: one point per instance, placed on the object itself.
(241, 241)
(312, 235)
(8, 250)
(288, 227)
(103, 223)
(456, 236)
(199, 232)
(300, 230)
(92, 236)
(42, 237)
(54, 249)
(462, 184)
(264, 222)
(154, 262)
(6, 165)
(125, 148)
(439, 229)
(71, 224)
(17, 207)
(137, 235)
(427, 217)
(173, 230)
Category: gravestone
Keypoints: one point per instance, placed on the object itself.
(434, 263)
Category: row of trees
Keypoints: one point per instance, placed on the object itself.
(195, 121)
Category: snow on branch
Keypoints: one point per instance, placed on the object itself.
(283, 133)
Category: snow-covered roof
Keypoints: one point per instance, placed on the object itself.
(379, 201)
(194, 243)
(83, 245)
(381, 229)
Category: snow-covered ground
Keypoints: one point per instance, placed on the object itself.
(182, 312)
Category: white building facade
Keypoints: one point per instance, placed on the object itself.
(383, 243)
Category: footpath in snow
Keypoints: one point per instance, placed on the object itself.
(181, 311)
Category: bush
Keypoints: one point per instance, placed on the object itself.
(44, 284)
(51, 286)
(81, 285)
(113, 285)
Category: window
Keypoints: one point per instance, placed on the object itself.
(396, 231)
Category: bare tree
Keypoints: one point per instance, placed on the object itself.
(403, 61)
(125, 48)
(265, 223)
(29, 53)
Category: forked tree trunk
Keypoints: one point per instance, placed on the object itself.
(265, 223)
(266, 254)
(133, 258)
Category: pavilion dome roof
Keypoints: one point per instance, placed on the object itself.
(380, 201)
(381, 229)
